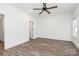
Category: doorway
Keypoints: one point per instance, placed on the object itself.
(30, 30)
(1, 31)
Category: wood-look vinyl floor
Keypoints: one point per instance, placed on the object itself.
(42, 47)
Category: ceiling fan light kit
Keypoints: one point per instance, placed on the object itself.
(45, 8)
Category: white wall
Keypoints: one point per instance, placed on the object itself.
(16, 25)
(76, 15)
(55, 27)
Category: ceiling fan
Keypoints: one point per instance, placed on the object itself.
(45, 8)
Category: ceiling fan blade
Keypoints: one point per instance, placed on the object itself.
(52, 7)
(44, 4)
(48, 12)
(41, 12)
(37, 9)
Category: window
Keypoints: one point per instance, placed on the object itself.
(75, 27)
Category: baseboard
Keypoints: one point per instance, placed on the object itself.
(51, 39)
(14, 44)
(76, 42)
(75, 45)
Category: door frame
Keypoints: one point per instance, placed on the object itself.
(30, 30)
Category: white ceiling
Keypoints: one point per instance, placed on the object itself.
(63, 8)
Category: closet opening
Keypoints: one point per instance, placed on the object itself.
(1, 31)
